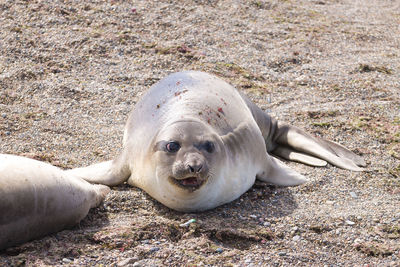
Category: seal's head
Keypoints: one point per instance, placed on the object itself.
(186, 154)
(187, 158)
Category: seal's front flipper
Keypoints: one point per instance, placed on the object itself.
(109, 173)
(296, 140)
(276, 172)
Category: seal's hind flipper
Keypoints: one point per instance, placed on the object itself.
(292, 155)
(292, 143)
(302, 142)
(344, 152)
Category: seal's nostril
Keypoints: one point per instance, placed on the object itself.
(195, 168)
(191, 168)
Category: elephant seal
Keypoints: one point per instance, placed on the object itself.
(194, 142)
(37, 199)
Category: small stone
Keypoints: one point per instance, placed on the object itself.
(4, 115)
(282, 253)
(8, 133)
(66, 260)
(267, 224)
(348, 222)
(296, 238)
(126, 262)
(219, 250)
(154, 249)
(301, 80)
(353, 195)
(295, 229)
(253, 216)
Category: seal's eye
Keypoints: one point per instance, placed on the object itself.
(172, 147)
(209, 147)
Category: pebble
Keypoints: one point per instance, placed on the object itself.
(126, 262)
(302, 80)
(154, 249)
(282, 253)
(4, 115)
(267, 224)
(350, 222)
(253, 216)
(66, 260)
(296, 238)
(219, 250)
(247, 261)
(353, 195)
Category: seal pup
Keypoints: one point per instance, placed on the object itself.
(194, 142)
(37, 199)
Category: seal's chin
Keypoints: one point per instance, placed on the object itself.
(189, 183)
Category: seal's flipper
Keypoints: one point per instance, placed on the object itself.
(295, 144)
(344, 152)
(276, 172)
(109, 173)
(291, 155)
(300, 141)
(101, 193)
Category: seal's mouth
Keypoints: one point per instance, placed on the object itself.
(189, 183)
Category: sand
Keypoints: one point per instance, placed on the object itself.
(71, 71)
